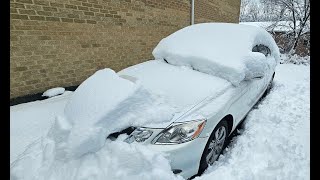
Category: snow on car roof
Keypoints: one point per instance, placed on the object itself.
(219, 49)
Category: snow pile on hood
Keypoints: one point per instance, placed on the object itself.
(103, 104)
(219, 49)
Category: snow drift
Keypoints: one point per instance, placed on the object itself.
(219, 49)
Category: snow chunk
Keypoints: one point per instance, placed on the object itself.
(53, 92)
(219, 49)
(103, 104)
(97, 95)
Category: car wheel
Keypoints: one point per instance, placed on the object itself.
(214, 146)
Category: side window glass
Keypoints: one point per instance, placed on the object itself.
(261, 49)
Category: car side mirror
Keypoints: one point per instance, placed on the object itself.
(262, 49)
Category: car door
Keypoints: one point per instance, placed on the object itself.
(242, 103)
(261, 84)
(250, 90)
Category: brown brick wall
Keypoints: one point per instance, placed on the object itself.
(62, 42)
(217, 11)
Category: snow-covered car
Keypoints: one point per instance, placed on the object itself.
(204, 80)
(215, 91)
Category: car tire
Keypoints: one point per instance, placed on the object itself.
(210, 147)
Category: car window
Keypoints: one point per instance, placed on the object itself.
(261, 49)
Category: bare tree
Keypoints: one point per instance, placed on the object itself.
(249, 11)
(244, 10)
(297, 15)
(254, 12)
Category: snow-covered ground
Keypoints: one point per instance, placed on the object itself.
(29, 121)
(274, 143)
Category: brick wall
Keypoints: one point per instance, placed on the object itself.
(62, 42)
(217, 11)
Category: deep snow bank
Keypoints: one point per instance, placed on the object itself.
(116, 160)
(220, 49)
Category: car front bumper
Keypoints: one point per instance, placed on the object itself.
(183, 157)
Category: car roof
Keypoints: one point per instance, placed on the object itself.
(219, 49)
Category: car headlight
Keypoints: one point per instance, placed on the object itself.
(139, 135)
(181, 132)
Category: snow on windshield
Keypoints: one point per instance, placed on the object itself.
(219, 49)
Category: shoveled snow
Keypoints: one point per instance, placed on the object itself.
(274, 143)
(54, 92)
(220, 49)
(93, 99)
(103, 104)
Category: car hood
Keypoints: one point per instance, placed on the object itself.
(152, 94)
(181, 87)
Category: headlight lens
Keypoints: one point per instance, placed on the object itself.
(181, 132)
(139, 135)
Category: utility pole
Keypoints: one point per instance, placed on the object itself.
(192, 12)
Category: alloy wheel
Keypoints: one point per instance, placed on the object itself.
(216, 145)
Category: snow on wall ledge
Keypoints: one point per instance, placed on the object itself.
(219, 49)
